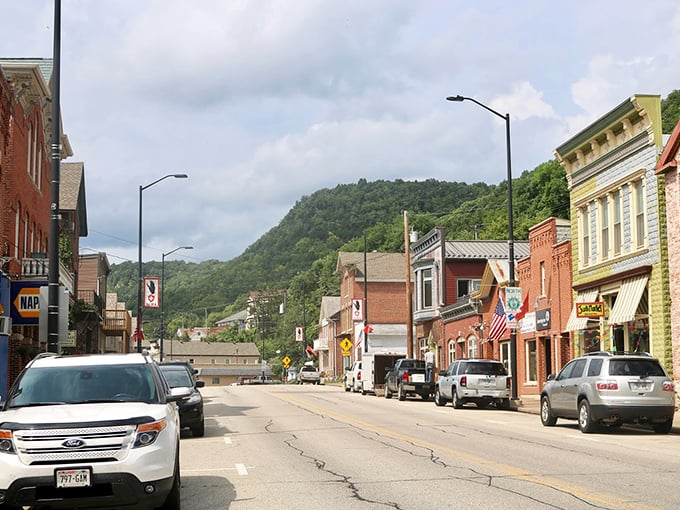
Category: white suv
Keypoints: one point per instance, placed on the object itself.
(88, 432)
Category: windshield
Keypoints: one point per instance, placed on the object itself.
(177, 377)
(84, 384)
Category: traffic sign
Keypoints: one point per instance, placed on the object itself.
(286, 361)
(345, 345)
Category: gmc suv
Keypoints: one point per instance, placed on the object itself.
(93, 431)
(605, 389)
(481, 381)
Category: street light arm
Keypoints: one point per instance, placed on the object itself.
(460, 99)
(176, 176)
(178, 248)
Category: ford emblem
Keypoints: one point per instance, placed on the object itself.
(73, 443)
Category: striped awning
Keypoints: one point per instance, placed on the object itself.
(576, 323)
(628, 299)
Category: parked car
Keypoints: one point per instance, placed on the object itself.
(181, 374)
(605, 389)
(408, 376)
(90, 431)
(353, 377)
(310, 374)
(480, 381)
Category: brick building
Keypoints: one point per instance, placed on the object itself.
(385, 307)
(667, 169)
(543, 343)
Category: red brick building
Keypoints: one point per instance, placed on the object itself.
(383, 280)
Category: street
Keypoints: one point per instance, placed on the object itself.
(318, 447)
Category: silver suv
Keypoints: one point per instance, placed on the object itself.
(608, 389)
(88, 432)
(481, 381)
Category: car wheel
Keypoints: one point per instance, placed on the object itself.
(400, 392)
(347, 387)
(425, 396)
(585, 420)
(457, 402)
(504, 403)
(662, 428)
(198, 430)
(438, 399)
(172, 502)
(388, 393)
(548, 419)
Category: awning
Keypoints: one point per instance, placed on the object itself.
(576, 323)
(628, 299)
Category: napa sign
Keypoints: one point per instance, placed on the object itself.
(25, 302)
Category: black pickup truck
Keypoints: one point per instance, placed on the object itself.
(408, 377)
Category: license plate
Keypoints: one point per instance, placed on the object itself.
(485, 382)
(417, 378)
(78, 477)
(640, 386)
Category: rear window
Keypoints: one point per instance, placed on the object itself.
(484, 368)
(416, 363)
(308, 369)
(636, 367)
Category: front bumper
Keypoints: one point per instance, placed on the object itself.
(108, 490)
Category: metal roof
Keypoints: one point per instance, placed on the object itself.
(485, 250)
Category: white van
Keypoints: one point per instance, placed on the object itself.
(353, 377)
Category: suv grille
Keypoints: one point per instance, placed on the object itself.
(52, 446)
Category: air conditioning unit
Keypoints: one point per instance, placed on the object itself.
(5, 326)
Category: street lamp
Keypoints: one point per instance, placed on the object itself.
(162, 334)
(511, 237)
(140, 282)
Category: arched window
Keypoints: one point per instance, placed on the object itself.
(452, 350)
(472, 342)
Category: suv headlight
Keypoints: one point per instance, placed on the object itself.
(6, 442)
(148, 432)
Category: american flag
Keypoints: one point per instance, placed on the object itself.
(499, 323)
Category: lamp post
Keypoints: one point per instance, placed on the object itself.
(162, 335)
(511, 237)
(140, 282)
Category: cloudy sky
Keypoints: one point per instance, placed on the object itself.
(262, 102)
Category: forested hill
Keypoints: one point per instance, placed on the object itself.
(332, 219)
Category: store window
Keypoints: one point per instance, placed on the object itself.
(472, 341)
(530, 349)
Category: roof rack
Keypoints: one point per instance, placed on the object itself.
(618, 353)
(598, 353)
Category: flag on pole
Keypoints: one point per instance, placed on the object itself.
(525, 308)
(499, 323)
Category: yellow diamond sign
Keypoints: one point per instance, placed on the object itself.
(345, 345)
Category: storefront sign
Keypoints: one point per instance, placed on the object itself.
(590, 310)
(543, 319)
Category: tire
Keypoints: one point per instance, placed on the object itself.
(425, 396)
(504, 404)
(662, 428)
(172, 502)
(439, 401)
(388, 393)
(455, 400)
(585, 420)
(198, 430)
(548, 419)
(400, 392)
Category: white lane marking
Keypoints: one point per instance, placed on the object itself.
(227, 440)
(241, 469)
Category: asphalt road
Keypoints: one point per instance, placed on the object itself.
(317, 447)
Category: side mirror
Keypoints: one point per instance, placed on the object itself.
(200, 384)
(551, 377)
(442, 373)
(179, 393)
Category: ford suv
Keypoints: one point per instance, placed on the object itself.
(93, 431)
(605, 389)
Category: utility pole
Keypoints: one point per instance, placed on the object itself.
(409, 295)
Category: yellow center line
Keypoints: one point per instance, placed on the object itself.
(507, 469)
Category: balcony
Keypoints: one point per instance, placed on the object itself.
(117, 322)
(91, 298)
(38, 269)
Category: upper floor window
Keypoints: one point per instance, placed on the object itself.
(604, 228)
(467, 286)
(585, 235)
(617, 240)
(544, 290)
(426, 288)
(639, 208)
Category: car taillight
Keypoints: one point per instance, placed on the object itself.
(404, 376)
(668, 386)
(508, 382)
(463, 380)
(359, 376)
(607, 385)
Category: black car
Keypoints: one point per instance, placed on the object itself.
(180, 374)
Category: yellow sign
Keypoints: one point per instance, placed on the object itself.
(345, 345)
(587, 310)
(286, 361)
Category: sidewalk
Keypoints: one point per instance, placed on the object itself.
(532, 404)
